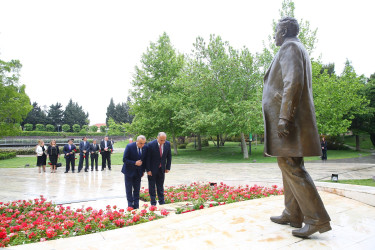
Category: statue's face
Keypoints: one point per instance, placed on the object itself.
(280, 35)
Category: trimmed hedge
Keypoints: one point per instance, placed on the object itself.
(18, 151)
(7, 155)
(60, 134)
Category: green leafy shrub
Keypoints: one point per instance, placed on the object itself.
(76, 128)
(85, 127)
(102, 129)
(94, 129)
(40, 127)
(204, 142)
(7, 155)
(28, 127)
(18, 151)
(182, 146)
(50, 128)
(66, 128)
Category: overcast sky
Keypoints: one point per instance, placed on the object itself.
(87, 50)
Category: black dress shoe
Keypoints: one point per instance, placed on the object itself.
(92, 169)
(73, 171)
(308, 230)
(96, 170)
(65, 172)
(86, 170)
(109, 169)
(284, 220)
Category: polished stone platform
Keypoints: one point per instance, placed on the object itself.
(243, 225)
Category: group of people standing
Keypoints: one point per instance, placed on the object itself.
(52, 151)
(154, 159)
(86, 151)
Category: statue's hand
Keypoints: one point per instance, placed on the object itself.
(283, 128)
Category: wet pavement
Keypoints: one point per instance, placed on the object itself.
(243, 225)
(18, 183)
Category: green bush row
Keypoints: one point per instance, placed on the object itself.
(61, 134)
(18, 151)
(7, 155)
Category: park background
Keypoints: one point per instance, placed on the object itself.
(206, 98)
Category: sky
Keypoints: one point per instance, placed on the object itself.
(87, 50)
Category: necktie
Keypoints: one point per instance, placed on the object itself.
(139, 152)
(161, 154)
(70, 147)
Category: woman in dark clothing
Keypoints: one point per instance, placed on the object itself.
(323, 144)
(53, 154)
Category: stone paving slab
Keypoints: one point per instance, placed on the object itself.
(242, 225)
(26, 183)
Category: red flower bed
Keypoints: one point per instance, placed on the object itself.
(209, 195)
(37, 220)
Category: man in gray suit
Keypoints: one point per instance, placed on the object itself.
(291, 132)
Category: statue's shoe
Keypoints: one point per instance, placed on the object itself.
(308, 230)
(283, 220)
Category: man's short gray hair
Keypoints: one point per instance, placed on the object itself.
(162, 134)
(141, 137)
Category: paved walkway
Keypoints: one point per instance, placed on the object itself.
(242, 225)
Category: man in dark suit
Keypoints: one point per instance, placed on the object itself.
(69, 155)
(106, 150)
(84, 149)
(133, 169)
(158, 164)
(290, 130)
(94, 155)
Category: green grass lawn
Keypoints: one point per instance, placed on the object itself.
(364, 141)
(362, 182)
(121, 144)
(230, 153)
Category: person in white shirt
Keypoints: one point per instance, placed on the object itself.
(41, 154)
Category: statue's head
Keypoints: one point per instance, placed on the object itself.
(287, 27)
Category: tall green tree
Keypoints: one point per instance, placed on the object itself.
(74, 114)
(228, 83)
(14, 102)
(334, 113)
(156, 90)
(111, 111)
(35, 116)
(55, 115)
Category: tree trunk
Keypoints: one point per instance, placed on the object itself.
(357, 143)
(244, 148)
(199, 142)
(241, 147)
(218, 141)
(174, 145)
(372, 138)
(213, 141)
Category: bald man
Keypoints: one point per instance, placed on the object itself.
(158, 164)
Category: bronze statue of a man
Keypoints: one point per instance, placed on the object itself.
(290, 130)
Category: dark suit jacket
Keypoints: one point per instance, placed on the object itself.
(287, 94)
(154, 159)
(82, 147)
(67, 150)
(130, 157)
(94, 149)
(109, 146)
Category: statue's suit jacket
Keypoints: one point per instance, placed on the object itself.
(287, 94)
